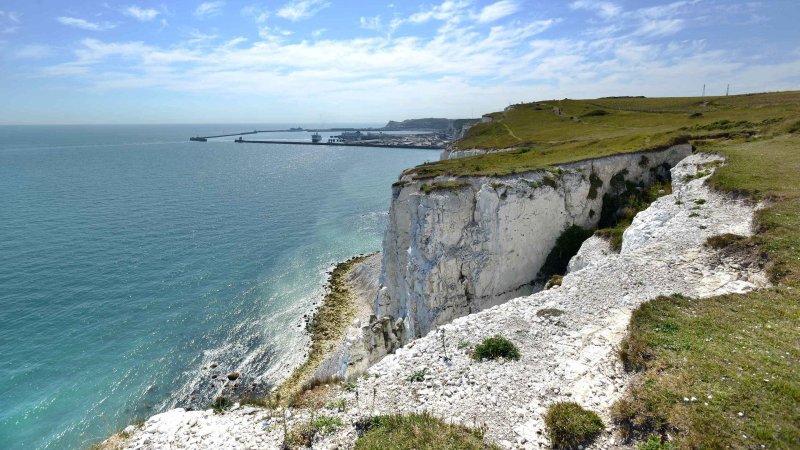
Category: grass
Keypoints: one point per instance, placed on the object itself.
(537, 138)
(328, 326)
(417, 431)
(496, 347)
(443, 186)
(722, 372)
(568, 425)
(549, 312)
(326, 424)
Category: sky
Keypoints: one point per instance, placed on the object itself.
(317, 61)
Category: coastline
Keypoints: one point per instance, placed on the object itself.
(345, 303)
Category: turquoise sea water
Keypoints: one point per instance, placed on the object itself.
(131, 258)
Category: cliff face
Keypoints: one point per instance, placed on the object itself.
(455, 247)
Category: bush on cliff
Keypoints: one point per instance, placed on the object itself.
(494, 348)
(568, 425)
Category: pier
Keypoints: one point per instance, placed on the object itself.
(343, 144)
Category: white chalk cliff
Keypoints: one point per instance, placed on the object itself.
(453, 252)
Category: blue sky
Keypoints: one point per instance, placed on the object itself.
(311, 61)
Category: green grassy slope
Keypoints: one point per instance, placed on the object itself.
(550, 132)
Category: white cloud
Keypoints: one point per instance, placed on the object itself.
(259, 14)
(448, 10)
(371, 23)
(604, 9)
(141, 14)
(660, 27)
(497, 11)
(319, 32)
(9, 22)
(85, 24)
(301, 9)
(34, 51)
(209, 9)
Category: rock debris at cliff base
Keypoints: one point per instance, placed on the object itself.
(571, 356)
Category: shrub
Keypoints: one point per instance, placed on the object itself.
(555, 280)
(595, 183)
(596, 112)
(418, 375)
(417, 431)
(494, 348)
(568, 425)
(326, 424)
(301, 436)
(723, 240)
(220, 404)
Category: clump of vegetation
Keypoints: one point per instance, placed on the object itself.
(265, 401)
(618, 182)
(496, 347)
(724, 240)
(700, 201)
(596, 113)
(550, 181)
(221, 404)
(692, 215)
(301, 436)
(554, 280)
(567, 245)
(568, 425)
(696, 175)
(417, 431)
(338, 405)
(726, 124)
(325, 424)
(595, 183)
(695, 115)
(443, 186)
(656, 442)
(418, 375)
(549, 312)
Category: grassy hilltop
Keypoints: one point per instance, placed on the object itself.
(556, 131)
(713, 373)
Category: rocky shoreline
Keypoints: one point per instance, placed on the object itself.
(568, 337)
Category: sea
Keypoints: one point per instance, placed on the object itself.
(131, 260)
